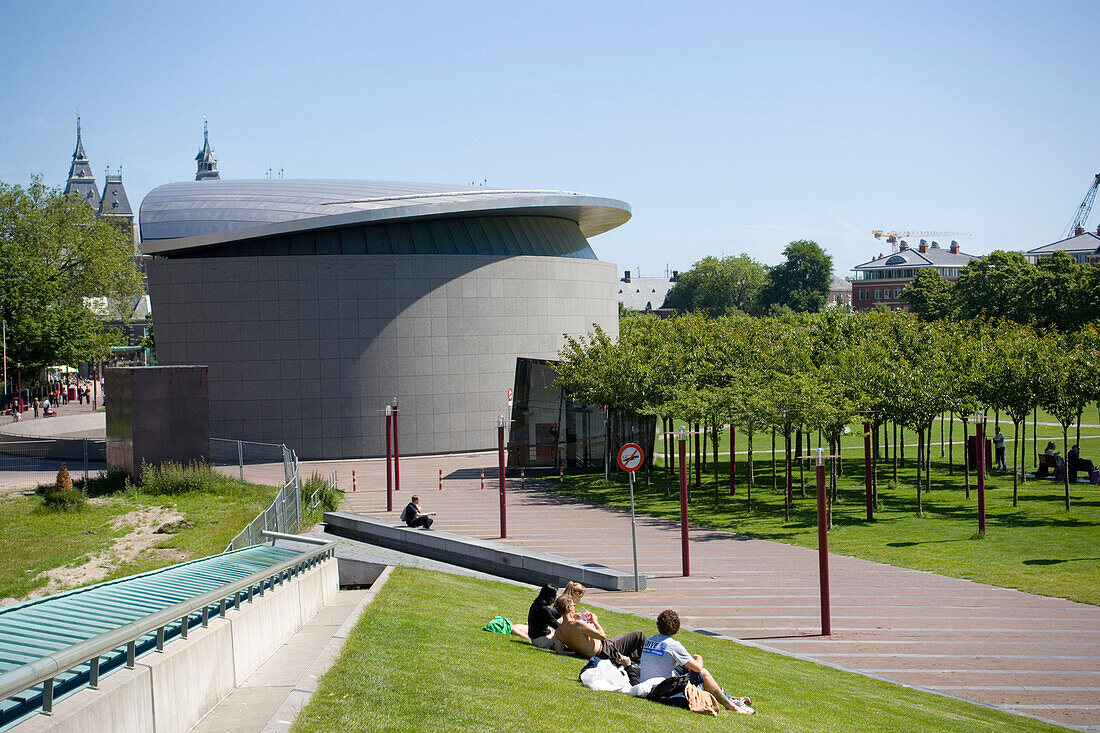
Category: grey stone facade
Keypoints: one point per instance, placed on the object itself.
(307, 350)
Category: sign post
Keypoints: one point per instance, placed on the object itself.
(389, 458)
(631, 457)
(500, 468)
(823, 545)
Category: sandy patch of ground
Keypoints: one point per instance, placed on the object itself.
(145, 523)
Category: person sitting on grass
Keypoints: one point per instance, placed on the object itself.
(542, 619)
(664, 657)
(584, 636)
(413, 517)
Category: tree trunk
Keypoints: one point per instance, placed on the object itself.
(1078, 439)
(928, 458)
(901, 443)
(920, 445)
(668, 453)
(1035, 438)
(751, 477)
(698, 467)
(832, 486)
(733, 459)
(951, 445)
(1023, 447)
(941, 435)
(1015, 450)
(1065, 451)
(801, 464)
(775, 474)
(789, 494)
(874, 471)
(966, 457)
(706, 435)
(715, 428)
(895, 451)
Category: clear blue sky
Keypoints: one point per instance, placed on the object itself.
(728, 127)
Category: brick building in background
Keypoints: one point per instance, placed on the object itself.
(882, 279)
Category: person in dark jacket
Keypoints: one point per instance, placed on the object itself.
(542, 619)
(413, 517)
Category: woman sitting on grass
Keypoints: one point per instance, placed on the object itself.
(542, 620)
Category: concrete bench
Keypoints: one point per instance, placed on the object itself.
(494, 558)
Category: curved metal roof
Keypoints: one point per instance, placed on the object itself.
(201, 213)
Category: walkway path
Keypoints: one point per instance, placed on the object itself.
(1030, 654)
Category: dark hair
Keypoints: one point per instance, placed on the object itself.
(668, 622)
(415, 498)
(546, 595)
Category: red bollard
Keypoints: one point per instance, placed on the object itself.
(396, 464)
(561, 474)
(441, 479)
(823, 546)
(500, 468)
(353, 482)
(483, 479)
(684, 507)
(867, 469)
(981, 474)
(389, 458)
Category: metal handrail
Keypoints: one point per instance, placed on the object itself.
(47, 668)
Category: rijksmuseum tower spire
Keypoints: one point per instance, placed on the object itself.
(81, 181)
(207, 160)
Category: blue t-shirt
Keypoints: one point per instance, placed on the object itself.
(660, 655)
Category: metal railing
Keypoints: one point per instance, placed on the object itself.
(28, 462)
(172, 622)
(314, 499)
(283, 515)
(246, 454)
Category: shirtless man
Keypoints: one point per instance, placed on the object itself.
(586, 638)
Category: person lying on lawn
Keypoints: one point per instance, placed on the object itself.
(663, 657)
(584, 636)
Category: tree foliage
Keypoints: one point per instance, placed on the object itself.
(55, 258)
(719, 286)
(800, 283)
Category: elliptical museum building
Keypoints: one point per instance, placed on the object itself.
(315, 303)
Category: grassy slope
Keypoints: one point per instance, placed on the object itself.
(417, 660)
(39, 539)
(1036, 547)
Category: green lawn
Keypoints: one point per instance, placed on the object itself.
(38, 539)
(1037, 547)
(418, 660)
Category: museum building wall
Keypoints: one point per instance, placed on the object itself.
(306, 349)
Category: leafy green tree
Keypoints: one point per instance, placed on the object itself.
(1066, 378)
(928, 295)
(719, 286)
(996, 286)
(1011, 383)
(1056, 293)
(801, 282)
(56, 259)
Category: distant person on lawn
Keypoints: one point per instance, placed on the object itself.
(413, 517)
(664, 657)
(999, 447)
(584, 636)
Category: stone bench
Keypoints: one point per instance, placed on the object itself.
(493, 558)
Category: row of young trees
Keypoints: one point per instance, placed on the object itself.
(821, 372)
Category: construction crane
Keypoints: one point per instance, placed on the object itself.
(892, 236)
(1083, 210)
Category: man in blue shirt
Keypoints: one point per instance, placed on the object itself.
(663, 656)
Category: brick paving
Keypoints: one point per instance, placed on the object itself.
(1029, 654)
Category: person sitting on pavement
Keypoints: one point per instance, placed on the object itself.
(584, 636)
(413, 517)
(664, 657)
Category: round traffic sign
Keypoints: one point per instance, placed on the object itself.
(630, 457)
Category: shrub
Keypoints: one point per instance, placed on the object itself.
(61, 495)
(108, 482)
(327, 497)
(176, 478)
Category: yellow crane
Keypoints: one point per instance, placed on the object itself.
(892, 236)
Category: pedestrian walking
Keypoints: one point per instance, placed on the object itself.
(35, 405)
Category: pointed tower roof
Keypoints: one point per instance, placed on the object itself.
(206, 159)
(114, 201)
(81, 181)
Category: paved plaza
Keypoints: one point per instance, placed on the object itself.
(1029, 654)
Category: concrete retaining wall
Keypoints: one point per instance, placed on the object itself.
(495, 558)
(172, 691)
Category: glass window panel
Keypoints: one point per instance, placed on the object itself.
(422, 241)
(378, 241)
(463, 244)
(500, 235)
(401, 239)
(328, 242)
(442, 236)
(352, 241)
(529, 245)
(484, 242)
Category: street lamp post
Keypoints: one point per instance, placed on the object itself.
(823, 544)
(500, 468)
(389, 465)
(681, 436)
(396, 451)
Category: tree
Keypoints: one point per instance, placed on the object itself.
(55, 258)
(928, 295)
(1066, 377)
(719, 286)
(802, 282)
(1011, 384)
(996, 286)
